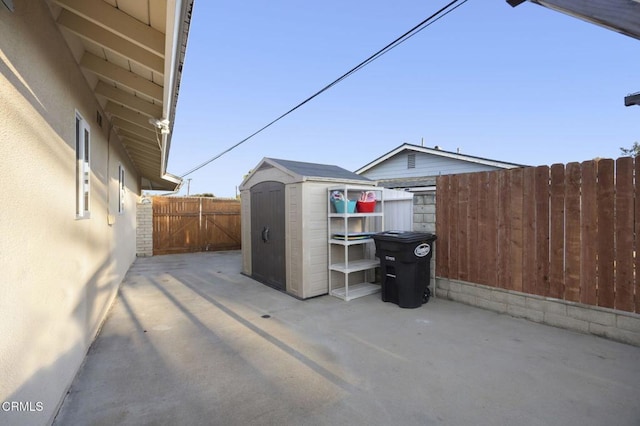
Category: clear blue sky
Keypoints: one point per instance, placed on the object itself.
(526, 85)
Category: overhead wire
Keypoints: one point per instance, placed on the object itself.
(441, 13)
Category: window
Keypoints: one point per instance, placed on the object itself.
(121, 190)
(83, 171)
(411, 161)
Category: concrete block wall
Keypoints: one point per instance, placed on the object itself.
(424, 220)
(424, 212)
(615, 325)
(144, 228)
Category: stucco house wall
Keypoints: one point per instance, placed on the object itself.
(59, 274)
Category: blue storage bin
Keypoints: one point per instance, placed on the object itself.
(339, 205)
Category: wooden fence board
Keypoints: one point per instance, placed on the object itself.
(483, 231)
(606, 232)
(454, 270)
(542, 230)
(503, 249)
(516, 243)
(492, 229)
(474, 243)
(589, 234)
(556, 228)
(624, 276)
(572, 242)
(442, 225)
(528, 231)
(462, 226)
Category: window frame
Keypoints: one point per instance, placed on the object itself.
(83, 167)
(121, 189)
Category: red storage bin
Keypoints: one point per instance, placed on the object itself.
(366, 206)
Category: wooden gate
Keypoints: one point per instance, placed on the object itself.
(186, 225)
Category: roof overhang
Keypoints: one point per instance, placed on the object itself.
(633, 99)
(622, 16)
(440, 153)
(131, 53)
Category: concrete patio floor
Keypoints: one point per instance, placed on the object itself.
(188, 342)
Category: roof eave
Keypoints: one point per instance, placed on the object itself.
(176, 37)
(622, 16)
(441, 153)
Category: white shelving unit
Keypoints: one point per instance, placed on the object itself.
(352, 261)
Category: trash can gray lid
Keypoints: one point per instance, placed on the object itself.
(404, 236)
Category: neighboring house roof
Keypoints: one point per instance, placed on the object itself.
(622, 16)
(131, 52)
(440, 153)
(415, 168)
(301, 171)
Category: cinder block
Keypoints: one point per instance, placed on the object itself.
(628, 323)
(443, 284)
(429, 217)
(430, 208)
(591, 315)
(420, 209)
(444, 294)
(463, 298)
(546, 306)
(566, 322)
(480, 292)
(615, 333)
(455, 287)
(499, 296)
(516, 300)
(418, 200)
(522, 312)
(492, 306)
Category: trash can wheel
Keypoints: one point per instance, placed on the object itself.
(427, 295)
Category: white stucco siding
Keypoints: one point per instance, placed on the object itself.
(425, 165)
(59, 274)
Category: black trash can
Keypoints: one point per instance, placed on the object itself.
(405, 266)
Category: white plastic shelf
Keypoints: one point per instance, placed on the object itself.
(355, 290)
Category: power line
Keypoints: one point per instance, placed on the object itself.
(441, 13)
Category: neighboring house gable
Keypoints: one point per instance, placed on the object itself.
(409, 166)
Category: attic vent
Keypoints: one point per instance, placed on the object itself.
(411, 161)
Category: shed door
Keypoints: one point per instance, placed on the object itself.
(267, 234)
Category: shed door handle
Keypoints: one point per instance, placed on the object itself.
(265, 234)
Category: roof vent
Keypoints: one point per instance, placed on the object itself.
(411, 161)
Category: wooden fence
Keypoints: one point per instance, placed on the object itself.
(184, 225)
(561, 232)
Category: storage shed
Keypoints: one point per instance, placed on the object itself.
(284, 223)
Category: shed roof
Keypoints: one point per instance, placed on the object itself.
(313, 170)
(302, 171)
